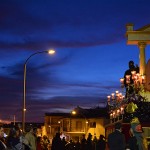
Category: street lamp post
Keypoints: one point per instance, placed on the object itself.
(51, 52)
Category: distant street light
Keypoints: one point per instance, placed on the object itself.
(74, 112)
(51, 52)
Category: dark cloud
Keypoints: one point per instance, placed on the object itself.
(11, 97)
(34, 73)
(60, 103)
(38, 45)
(38, 25)
(31, 29)
(39, 107)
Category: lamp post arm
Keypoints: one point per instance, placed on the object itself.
(34, 54)
(24, 88)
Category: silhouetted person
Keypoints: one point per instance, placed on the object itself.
(39, 146)
(70, 145)
(128, 86)
(94, 143)
(89, 145)
(56, 142)
(83, 142)
(64, 142)
(116, 139)
(101, 143)
(78, 145)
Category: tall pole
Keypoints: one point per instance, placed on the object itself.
(14, 120)
(24, 86)
(24, 99)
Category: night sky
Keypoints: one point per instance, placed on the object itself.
(91, 52)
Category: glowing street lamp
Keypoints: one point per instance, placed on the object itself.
(86, 121)
(73, 112)
(51, 52)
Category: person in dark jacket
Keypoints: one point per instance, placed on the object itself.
(70, 145)
(116, 139)
(56, 142)
(89, 145)
(13, 139)
(101, 143)
(83, 142)
(64, 142)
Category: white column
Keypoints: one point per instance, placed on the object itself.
(142, 60)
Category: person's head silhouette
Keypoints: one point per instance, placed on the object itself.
(131, 64)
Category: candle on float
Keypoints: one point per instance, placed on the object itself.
(122, 110)
(108, 99)
(128, 79)
(118, 112)
(111, 115)
(138, 75)
(143, 79)
(113, 96)
(117, 93)
(133, 72)
(122, 80)
(114, 114)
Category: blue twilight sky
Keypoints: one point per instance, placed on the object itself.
(91, 52)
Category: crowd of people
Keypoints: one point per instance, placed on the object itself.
(83, 144)
(17, 140)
